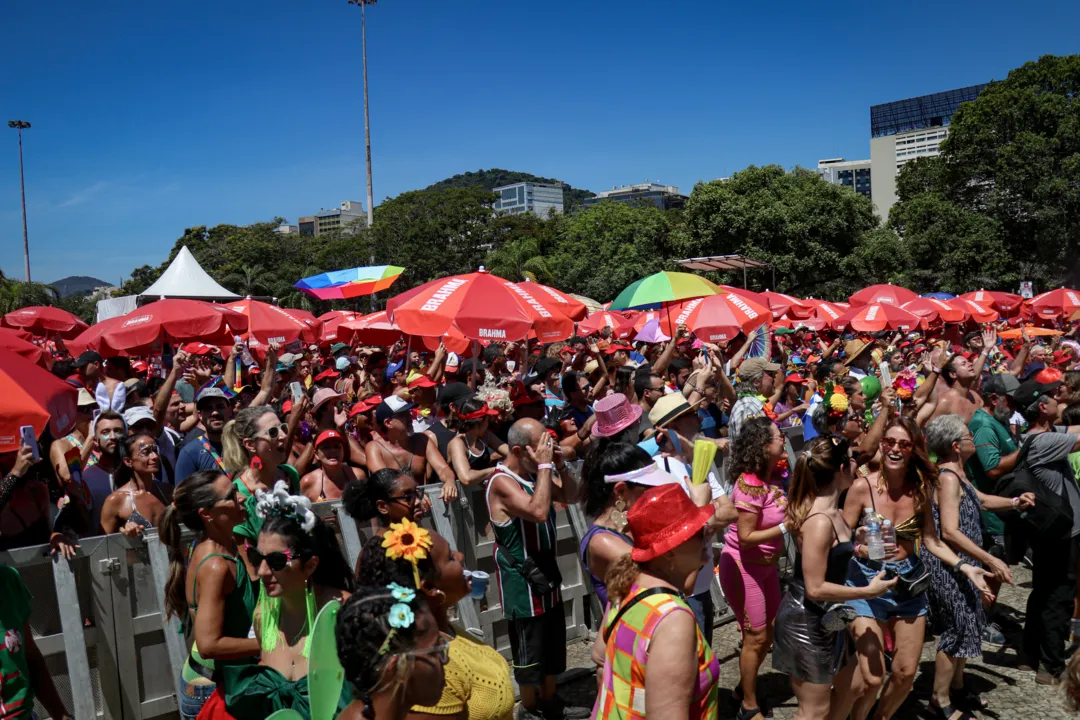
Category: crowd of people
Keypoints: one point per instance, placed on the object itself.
(930, 464)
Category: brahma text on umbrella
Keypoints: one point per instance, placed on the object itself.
(440, 295)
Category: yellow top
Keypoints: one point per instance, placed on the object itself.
(477, 678)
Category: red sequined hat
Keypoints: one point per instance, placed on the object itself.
(662, 519)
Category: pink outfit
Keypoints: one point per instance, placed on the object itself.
(748, 576)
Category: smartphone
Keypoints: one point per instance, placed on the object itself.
(297, 391)
(29, 439)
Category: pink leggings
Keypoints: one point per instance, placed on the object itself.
(752, 591)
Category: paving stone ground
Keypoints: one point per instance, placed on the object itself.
(1012, 694)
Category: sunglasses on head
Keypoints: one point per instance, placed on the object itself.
(276, 561)
(902, 445)
(272, 433)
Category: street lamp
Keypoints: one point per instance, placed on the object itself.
(367, 123)
(21, 125)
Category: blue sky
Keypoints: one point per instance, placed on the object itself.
(149, 117)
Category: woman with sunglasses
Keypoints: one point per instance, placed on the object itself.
(820, 660)
(214, 602)
(255, 452)
(392, 651)
(139, 500)
(902, 492)
(478, 683)
(388, 496)
(301, 568)
(470, 450)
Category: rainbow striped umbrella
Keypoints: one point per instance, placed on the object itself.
(354, 282)
(663, 287)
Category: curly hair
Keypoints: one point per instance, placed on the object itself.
(375, 568)
(751, 453)
(922, 475)
(360, 497)
(362, 631)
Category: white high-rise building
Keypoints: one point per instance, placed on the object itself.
(539, 199)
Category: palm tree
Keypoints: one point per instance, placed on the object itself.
(251, 280)
(15, 294)
(520, 260)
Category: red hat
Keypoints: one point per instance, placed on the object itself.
(423, 382)
(140, 366)
(198, 348)
(614, 414)
(1060, 356)
(363, 406)
(328, 435)
(286, 407)
(325, 374)
(662, 519)
(520, 395)
(616, 347)
(795, 378)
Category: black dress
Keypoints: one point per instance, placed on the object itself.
(802, 648)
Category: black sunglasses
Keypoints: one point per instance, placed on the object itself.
(276, 561)
(409, 496)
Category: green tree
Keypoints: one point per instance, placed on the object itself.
(15, 294)
(251, 280)
(796, 222)
(520, 260)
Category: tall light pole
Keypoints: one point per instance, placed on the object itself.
(367, 123)
(21, 125)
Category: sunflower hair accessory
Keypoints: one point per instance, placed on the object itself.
(407, 540)
(280, 502)
(401, 616)
(836, 400)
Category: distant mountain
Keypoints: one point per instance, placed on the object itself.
(78, 285)
(496, 177)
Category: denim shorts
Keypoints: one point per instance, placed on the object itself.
(887, 606)
(193, 697)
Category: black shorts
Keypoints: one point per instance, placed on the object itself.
(538, 646)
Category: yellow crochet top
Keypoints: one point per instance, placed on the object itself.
(477, 678)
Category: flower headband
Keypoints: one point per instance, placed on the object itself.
(401, 615)
(280, 502)
(407, 540)
(836, 400)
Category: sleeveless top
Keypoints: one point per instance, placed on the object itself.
(910, 529)
(622, 692)
(443, 436)
(239, 607)
(481, 461)
(515, 540)
(836, 566)
(599, 586)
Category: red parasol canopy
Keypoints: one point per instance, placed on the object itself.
(601, 319)
(32, 396)
(994, 299)
(170, 320)
(878, 317)
(931, 309)
(12, 341)
(42, 320)
(717, 317)
(825, 313)
(566, 304)
(891, 294)
(1062, 302)
(782, 305)
(482, 307)
(270, 323)
(330, 322)
(974, 310)
(373, 329)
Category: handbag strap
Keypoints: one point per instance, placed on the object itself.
(631, 603)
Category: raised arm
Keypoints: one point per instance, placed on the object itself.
(268, 375)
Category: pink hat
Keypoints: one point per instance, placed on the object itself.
(614, 414)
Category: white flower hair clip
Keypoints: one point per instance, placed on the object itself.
(280, 502)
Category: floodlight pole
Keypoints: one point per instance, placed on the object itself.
(367, 123)
(21, 125)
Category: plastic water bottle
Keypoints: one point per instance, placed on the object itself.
(875, 548)
(888, 533)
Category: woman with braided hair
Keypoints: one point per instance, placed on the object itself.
(392, 651)
(300, 568)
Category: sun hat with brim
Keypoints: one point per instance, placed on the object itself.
(85, 398)
(667, 409)
(651, 475)
(662, 519)
(853, 349)
(614, 414)
(323, 396)
(753, 368)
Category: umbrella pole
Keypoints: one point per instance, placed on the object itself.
(475, 358)
(408, 354)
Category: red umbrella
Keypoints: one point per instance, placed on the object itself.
(931, 309)
(994, 299)
(306, 315)
(601, 319)
(717, 317)
(1062, 302)
(42, 320)
(825, 313)
(32, 396)
(482, 306)
(974, 310)
(569, 306)
(11, 341)
(891, 294)
(373, 329)
(330, 322)
(170, 320)
(270, 323)
(782, 304)
(878, 317)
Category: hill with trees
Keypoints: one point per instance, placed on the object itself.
(78, 285)
(497, 177)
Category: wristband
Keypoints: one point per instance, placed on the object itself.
(1014, 502)
(783, 529)
(545, 466)
(960, 565)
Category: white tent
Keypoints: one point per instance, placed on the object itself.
(185, 278)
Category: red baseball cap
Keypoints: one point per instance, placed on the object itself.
(423, 382)
(198, 348)
(795, 378)
(363, 406)
(140, 366)
(325, 374)
(328, 435)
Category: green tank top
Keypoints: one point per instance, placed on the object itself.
(249, 529)
(239, 607)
